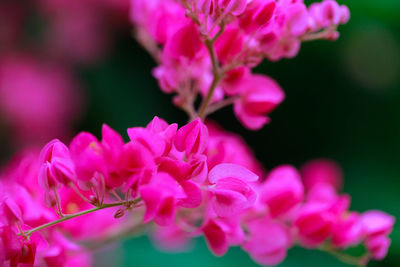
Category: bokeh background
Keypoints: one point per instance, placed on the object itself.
(343, 102)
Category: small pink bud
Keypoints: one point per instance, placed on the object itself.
(192, 138)
(119, 213)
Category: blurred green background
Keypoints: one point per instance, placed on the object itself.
(343, 102)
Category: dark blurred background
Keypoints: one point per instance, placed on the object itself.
(343, 102)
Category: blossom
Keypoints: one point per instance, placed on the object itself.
(260, 95)
(282, 190)
(231, 189)
(268, 242)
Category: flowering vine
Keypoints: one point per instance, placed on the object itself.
(196, 179)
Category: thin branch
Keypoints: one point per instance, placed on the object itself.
(71, 216)
(361, 261)
(221, 104)
(216, 72)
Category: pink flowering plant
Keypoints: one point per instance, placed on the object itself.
(197, 179)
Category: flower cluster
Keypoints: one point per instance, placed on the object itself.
(189, 181)
(37, 74)
(209, 47)
(196, 180)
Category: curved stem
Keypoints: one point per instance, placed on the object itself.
(71, 216)
(221, 104)
(216, 72)
(361, 261)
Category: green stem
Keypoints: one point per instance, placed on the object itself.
(71, 216)
(221, 104)
(361, 261)
(216, 72)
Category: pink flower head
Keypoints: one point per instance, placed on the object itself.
(328, 13)
(206, 6)
(231, 189)
(10, 246)
(347, 231)
(192, 138)
(196, 169)
(233, 79)
(165, 20)
(268, 242)
(295, 17)
(220, 233)
(229, 44)
(314, 223)
(57, 165)
(161, 196)
(322, 171)
(10, 212)
(87, 154)
(156, 137)
(282, 190)
(235, 7)
(260, 96)
(136, 164)
(185, 44)
(378, 246)
(376, 223)
(64, 252)
(258, 14)
(19, 251)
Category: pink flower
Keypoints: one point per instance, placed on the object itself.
(378, 246)
(18, 251)
(231, 190)
(221, 233)
(268, 242)
(376, 223)
(229, 44)
(156, 137)
(185, 44)
(64, 252)
(136, 165)
(87, 154)
(57, 165)
(196, 169)
(10, 212)
(258, 14)
(282, 190)
(161, 196)
(192, 138)
(235, 7)
(347, 231)
(314, 223)
(322, 171)
(260, 95)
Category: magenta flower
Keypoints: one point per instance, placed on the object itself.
(161, 197)
(268, 242)
(231, 189)
(260, 95)
(192, 138)
(282, 190)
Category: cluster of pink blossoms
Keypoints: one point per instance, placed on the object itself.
(37, 75)
(208, 47)
(197, 179)
(191, 181)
